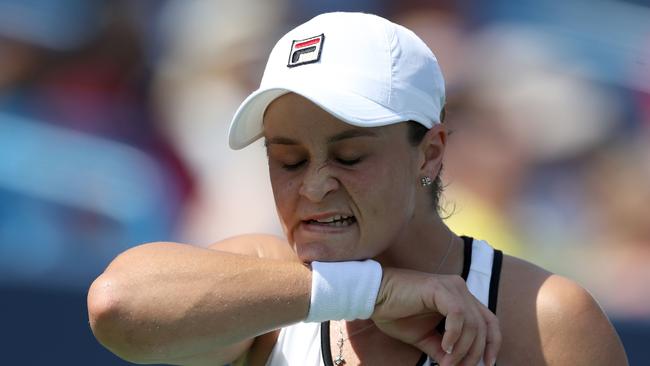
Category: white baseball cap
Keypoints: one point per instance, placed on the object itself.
(361, 68)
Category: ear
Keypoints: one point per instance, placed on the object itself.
(431, 150)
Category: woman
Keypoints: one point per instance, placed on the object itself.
(350, 108)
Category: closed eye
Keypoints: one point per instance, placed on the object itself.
(292, 167)
(348, 161)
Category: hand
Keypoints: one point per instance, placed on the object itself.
(410, 305)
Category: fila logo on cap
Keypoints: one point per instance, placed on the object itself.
(306, 51)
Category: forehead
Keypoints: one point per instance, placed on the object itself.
(292, 114)
(292, 110)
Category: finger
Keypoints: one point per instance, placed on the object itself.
(431, 346)
(476, 350)
(453, 327)
(493, 337)
(472, 327)
(448, 304)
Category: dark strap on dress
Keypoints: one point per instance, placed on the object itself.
(495, 276)
(467, 256)
(325, 348)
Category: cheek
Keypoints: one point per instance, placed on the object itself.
(386, 189)
(384, 199)
(284, 193)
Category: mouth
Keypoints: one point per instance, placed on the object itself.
(334, 221)
(318, 236)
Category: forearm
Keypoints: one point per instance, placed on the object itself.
(168, 300)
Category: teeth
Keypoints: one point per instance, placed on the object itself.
(337, 220)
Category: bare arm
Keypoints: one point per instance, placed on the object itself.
(178, 304)
(573, 328)
(175, 303)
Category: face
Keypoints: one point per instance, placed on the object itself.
(342, 192)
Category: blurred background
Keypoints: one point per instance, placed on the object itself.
(113, 122)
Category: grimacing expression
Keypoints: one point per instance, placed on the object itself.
(342, 192)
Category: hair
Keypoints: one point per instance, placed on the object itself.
(416, 132)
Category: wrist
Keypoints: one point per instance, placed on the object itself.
(344, 290)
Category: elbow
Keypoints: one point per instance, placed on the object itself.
(109, 319)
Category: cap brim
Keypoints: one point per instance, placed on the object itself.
(246, 125)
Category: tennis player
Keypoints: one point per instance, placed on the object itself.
(350, 108)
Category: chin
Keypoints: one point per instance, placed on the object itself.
(309, 252)
(327, 253)
(320, 251)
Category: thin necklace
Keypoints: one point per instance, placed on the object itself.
(444, 259)
(340, 360)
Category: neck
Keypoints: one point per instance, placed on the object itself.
(424, 246)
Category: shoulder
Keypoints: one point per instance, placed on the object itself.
(574, 328)
(553, 317)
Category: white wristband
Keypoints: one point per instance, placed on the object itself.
(343, 290)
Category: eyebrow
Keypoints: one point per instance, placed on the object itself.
(279, 141)
(348, 134)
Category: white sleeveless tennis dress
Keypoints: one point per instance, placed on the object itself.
(307, 344)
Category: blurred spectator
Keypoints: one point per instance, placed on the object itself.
(300, 11)
(208, 67)
(616, 261)
(85, 172)
(519, 109)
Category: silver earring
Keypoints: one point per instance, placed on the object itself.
(426, 181)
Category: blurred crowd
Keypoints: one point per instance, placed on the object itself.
(114, 116)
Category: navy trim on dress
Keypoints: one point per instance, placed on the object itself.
(467, 256)
(495, 276)
(325, 343)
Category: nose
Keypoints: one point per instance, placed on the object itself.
(318, 182)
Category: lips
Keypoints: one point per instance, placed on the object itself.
(320, 236)
(332, 220)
